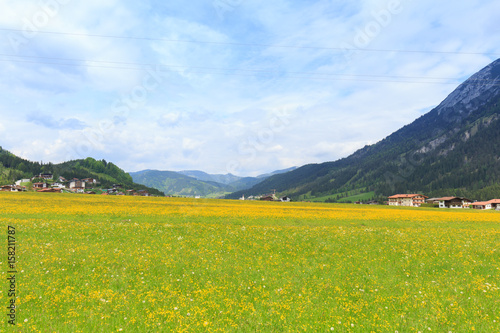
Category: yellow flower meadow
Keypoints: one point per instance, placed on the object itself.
(108, 264)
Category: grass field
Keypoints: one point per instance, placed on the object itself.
(109, 264)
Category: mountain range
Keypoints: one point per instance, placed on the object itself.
(198, 183)
(452, 150)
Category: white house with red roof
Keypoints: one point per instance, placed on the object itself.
(454, 202)
(491, 204)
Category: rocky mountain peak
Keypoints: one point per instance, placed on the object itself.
(474, 92)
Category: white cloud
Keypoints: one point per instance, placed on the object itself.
(169, 119)
(218, 95)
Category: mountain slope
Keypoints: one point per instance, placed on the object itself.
(203, 176)
(175, 183)
(195, 182)
(451, 150)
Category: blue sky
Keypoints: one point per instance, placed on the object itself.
(237, 86)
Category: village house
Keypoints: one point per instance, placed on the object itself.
(495, 204)
(407, 200)
(491, 204)
(89, 180)
(12, 188)
(46, 176)
(77, 185)
(454, 202)
(433, 201)
(5, 188)
(39, 185)
(372, 202)
(481, 205)
(18, 189)
(143, 193)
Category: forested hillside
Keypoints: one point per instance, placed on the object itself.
(13, 168)
(452, 150)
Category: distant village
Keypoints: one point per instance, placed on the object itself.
(267, 197)
(45, 183)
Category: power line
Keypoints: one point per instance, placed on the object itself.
(215, 68)
(297, 75)
(253, 44)
(493, 82)
(86, 63)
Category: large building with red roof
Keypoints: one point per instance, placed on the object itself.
(408, 200)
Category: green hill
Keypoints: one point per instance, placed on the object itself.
(197, 183)
(174, 183)
(108, 174)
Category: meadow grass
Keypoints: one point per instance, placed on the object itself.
(109, 264)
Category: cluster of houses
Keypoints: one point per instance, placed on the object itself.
(267, 197)
(46, 184)
(416, 200)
